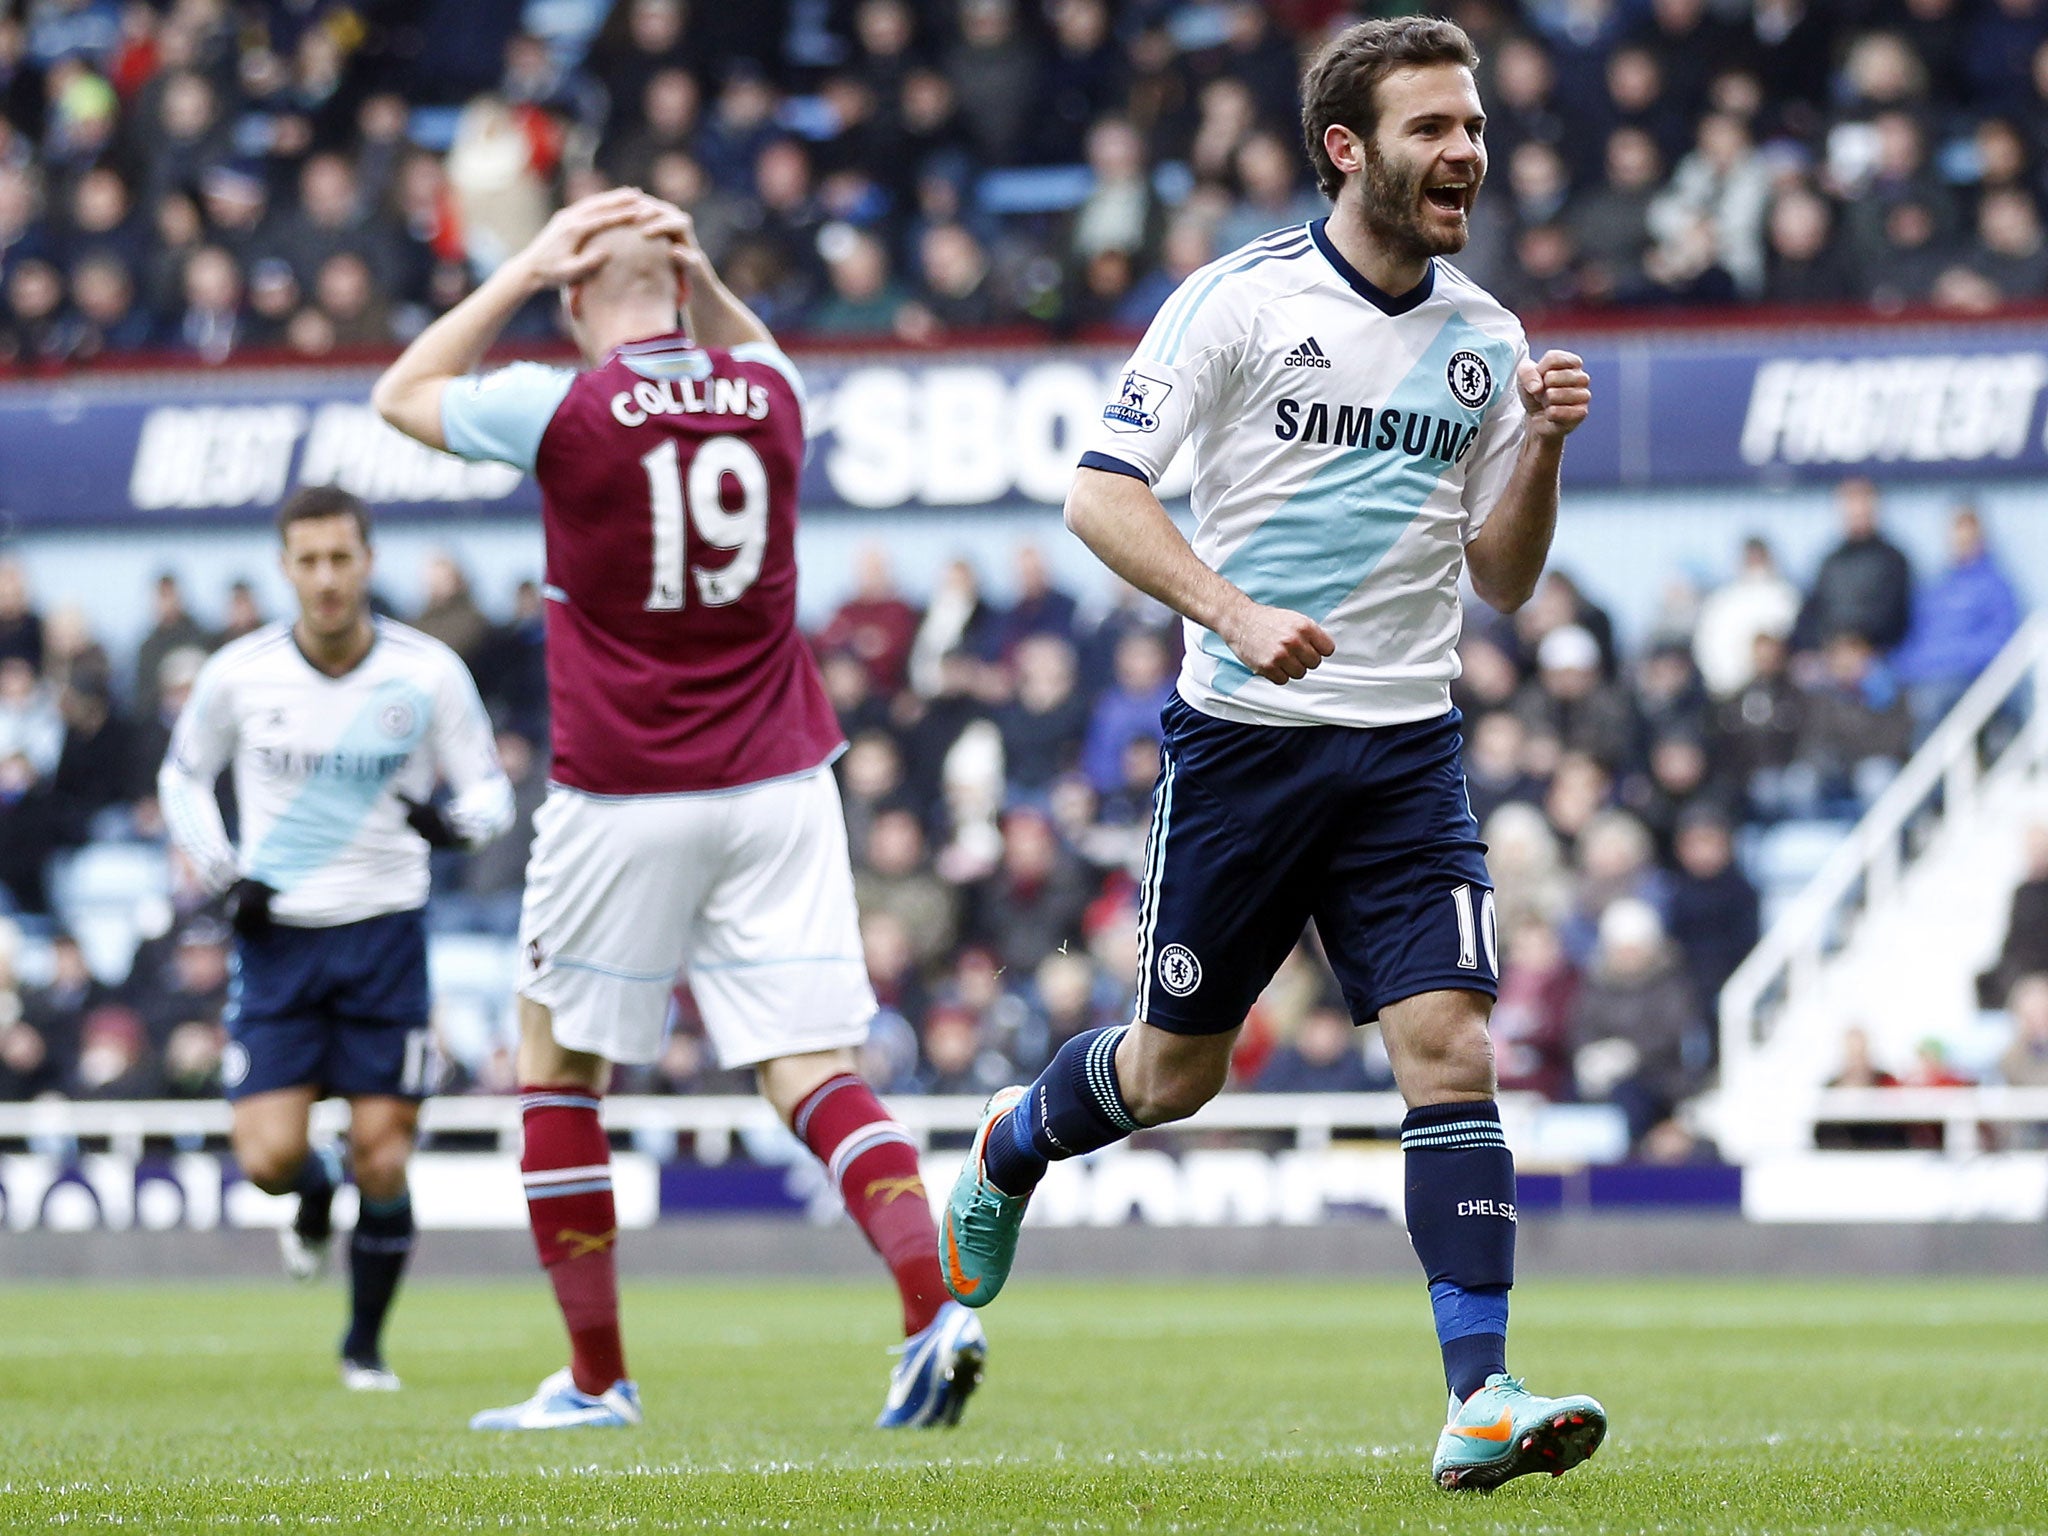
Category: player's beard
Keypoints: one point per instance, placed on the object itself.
(1390, 202)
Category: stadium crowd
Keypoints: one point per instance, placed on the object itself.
(998, 795)
(214, 179)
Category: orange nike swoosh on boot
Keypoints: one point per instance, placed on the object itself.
(1499, 1430)
(962, 1286)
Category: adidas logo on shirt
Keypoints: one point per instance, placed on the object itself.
(1307, 355)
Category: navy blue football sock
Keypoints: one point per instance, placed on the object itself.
(1472, 1328)
(376, 1261)
(1461, 1219)
(1074, 1107)
(318, 1177)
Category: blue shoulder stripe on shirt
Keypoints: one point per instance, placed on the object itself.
(1093, 459)
(1180, 330)
(1179, 303)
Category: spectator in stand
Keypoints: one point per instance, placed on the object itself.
(33, 332)
(875, 625)
(1805, 264)
(1757, 732)
(1716, 916)
(863, 297)
(174, 630)
(1539, 987)
(210, 323)
(957, 1058)
(1496, 770)
(1121, 212)
(21, 627)
(2025, 1062)
(1725, 185)
(106, 318)
(2024, 950)
(1044, 726)
(2010, 252)
(1758, 601)
(1611, 219)
(114, 1058)
(958, 290)
(1638, 1037)
(1086, 76)
(1042, 608)
(31, 726)
(1127, 710)
(1272, 192)
(450, 613)
(1961, 620)
(1569, 702)
(996, 66)
(1616, 861)
(1033, 902)
(1855, 729)
(1906, 257)
(1325, 1055)
(894, 876)
(1864, 585)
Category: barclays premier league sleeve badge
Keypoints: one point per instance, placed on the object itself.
(1136, 406)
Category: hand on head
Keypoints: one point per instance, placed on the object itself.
(572, 247)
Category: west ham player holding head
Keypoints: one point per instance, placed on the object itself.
(1367, 427)
(337, 725)
(692, 824)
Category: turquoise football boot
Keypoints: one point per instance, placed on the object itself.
(978, 1238)
(1504, 1430)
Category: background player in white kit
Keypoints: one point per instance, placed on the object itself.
(692, 823)
(338, 726)
(1368, 427)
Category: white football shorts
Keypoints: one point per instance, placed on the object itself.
(748, 894)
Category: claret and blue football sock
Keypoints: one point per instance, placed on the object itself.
(872, 1162)
(1461, 1219)
(377, 1255)
(567, 1168)
(1075, 1106)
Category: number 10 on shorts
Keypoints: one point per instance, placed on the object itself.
(1476, 928)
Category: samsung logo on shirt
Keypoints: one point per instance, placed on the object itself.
(1415, 433)
(375, 767)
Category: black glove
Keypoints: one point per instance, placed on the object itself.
(249, 908)
(428, 820)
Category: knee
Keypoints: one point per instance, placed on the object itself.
(1457, 1061)
(271, 1166)
(378, 1164)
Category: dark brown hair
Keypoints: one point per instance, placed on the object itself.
(312, 501)
(1342, 84)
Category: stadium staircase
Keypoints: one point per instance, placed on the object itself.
(1891, 931)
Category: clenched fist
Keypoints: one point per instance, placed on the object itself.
(1276, 643)
(1556, 393)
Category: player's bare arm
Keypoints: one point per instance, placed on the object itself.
(408, 395)
(1123, 523)
(717, 317)
(1507, 556)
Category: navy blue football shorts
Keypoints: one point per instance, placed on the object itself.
(342, 1009)
(1257, 829)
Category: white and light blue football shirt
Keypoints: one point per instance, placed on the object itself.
(321, 765)
(1347, 445)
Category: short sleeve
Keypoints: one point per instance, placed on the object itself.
(501, 416)
(1498, 445)
(1171, 381)
(771, 356)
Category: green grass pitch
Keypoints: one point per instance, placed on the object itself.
(1177, 1407)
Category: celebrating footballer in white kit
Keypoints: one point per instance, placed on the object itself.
(1368, 429)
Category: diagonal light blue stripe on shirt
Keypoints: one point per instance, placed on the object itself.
(330, 808)
(1326, 540)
